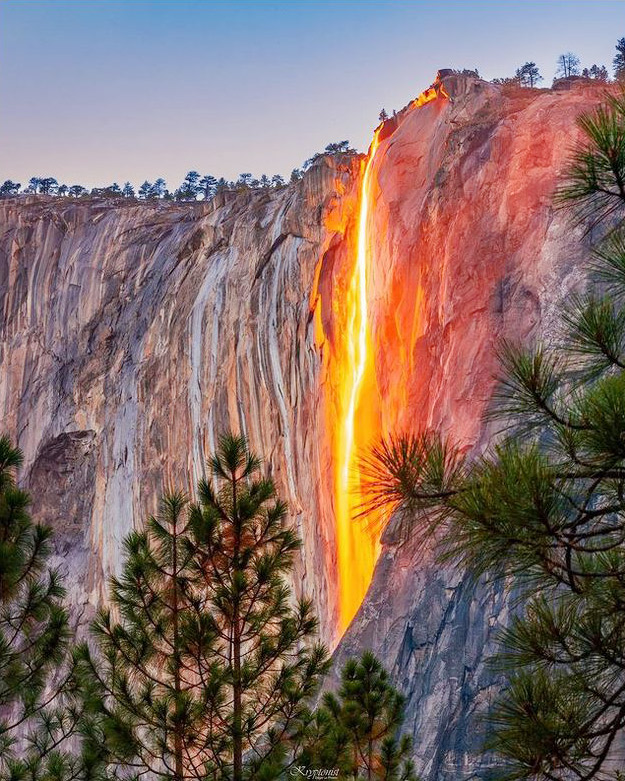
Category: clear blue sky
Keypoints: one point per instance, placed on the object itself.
(93, 91)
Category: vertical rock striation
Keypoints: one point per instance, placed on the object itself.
(132, 336)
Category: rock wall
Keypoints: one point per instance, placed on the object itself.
(470, 234)
(131, 335)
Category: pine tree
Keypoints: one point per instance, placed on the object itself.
(48, 185)
(9, 188)
(208, 667)
(528, 75)
(546, 505)
(268, 670)
(597, 72)
(145, 190)
(619, 60)
(157, 190)
(223, 185)
(568, 65)
(34, 637)
(207, 186)
(356, 731)
(190, 187)
(244, 180)
(145, 692)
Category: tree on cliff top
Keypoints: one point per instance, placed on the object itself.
(207, 185)
(546, 505)
(208, 668)
(568, 65)
(34, 639)
(619, 60)
(597, 72)
(528, 75)
(190, 187)
(9, 188)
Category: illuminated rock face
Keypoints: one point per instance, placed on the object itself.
(469, 251)
(130, 336)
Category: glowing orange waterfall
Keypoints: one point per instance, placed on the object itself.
(357, 547)
(357, 405)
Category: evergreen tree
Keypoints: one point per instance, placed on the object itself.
(190, 187)
(340, 147)
(208, 667)
(267, 671)
(207, 186)
(547, 504)
(244, 180)
(145, 693)
(597, 72)
(34, 637)
(619, 60)
(48, 185)
(356, 731)
(145, 190)
(9, 188)
(76, 190)
(112, 191)
(128, 191)
(568, 65)
(528, 75)
(158, 189)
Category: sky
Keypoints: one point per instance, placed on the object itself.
(96, 91)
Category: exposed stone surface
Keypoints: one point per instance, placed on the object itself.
(471, 234)
(130, 336)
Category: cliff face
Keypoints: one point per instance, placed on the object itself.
(467, 229)
(131, 336)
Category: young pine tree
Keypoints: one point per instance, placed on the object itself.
(268, 670)
(206, 665)
(145, 690)
(546, 505)
(356, 730)
(34, 636)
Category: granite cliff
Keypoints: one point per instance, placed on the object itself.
(131, 335)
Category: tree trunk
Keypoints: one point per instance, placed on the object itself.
(178, 743)
(237, 719)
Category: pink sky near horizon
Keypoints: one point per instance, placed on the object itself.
(107, 90)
